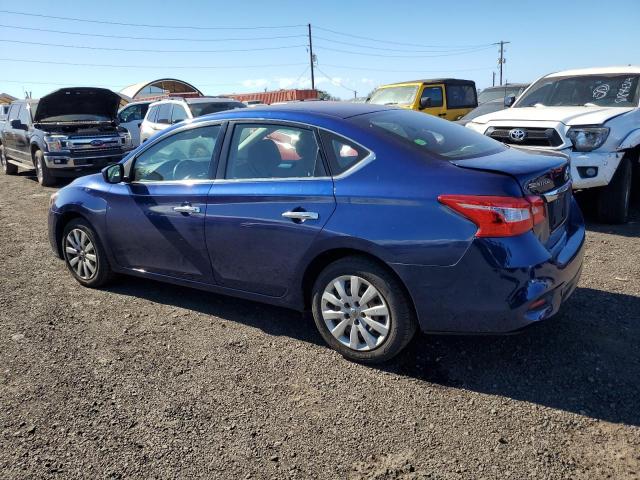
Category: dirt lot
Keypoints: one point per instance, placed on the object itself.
(144, 380)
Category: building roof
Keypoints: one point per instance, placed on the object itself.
(6, 98)
(159, 87)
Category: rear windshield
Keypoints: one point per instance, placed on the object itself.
(203, 108)
(429, 134)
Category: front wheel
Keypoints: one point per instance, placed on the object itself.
(7, 168)
(362, 310)
(613, 200)
(42, 172)
(84, 255)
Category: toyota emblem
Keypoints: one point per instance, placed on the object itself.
(517, 134)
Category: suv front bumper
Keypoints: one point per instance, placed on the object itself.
(65, 165)
(606, 164)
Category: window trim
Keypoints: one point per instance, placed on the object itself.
(213, 166)
(224, 159)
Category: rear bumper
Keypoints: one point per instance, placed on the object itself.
(499, 285)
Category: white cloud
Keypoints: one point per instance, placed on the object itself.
(255, 83)
(368, 81)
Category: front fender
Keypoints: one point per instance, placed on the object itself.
(632, 140)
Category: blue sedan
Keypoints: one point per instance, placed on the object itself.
(379, 220)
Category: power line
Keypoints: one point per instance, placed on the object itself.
(479, 49)
(186, 27)
(115, 49)
(377, 47)
(407, 71)
(397, 43)
(172, 39)
(99, 85)
(194, 67)
(334, 81)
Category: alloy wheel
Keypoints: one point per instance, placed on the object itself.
(39, 170)
(81, 254)
(355, 313)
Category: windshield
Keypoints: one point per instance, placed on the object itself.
(394, 95)
(204, 108)
(584, 91)
(489, 94)
(430, 134)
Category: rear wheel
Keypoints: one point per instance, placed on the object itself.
(362, 310)
(42, 172)
(7, 168)
(613, 200)
(84, 255)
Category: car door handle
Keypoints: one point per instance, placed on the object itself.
(186, 209)
(442, 114)
(300, 215)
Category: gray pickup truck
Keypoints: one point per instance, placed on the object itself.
(68, 133)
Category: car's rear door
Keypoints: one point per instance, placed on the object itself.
(156, 220)
(271, 200)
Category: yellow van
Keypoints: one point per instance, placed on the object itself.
(448, 98)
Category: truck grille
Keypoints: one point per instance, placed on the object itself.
(526, 136)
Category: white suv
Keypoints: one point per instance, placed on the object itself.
(165, 113)
(592, 115)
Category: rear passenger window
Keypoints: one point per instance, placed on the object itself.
(13, 112)
(260, 151)
(153, 112)
(342, 153)
(178, 114)
(164, 113)
(461, 96)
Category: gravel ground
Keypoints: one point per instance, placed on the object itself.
(144, 380)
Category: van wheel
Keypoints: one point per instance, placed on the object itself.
(7, 168)
(613, 200)
(362, 310)
(43, 173)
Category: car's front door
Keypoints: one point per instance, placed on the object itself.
(435, 104)
(156, 219)
(272, 200)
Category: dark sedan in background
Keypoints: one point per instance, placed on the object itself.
(379, 220)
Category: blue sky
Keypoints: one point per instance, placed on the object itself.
(414, 40)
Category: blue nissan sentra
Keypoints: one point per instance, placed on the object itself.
(380, 220)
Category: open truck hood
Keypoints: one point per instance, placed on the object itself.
(79, 104)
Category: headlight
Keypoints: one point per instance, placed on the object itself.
(126, 139)
(586, 139)
(56, 143)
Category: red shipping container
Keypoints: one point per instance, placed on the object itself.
(276, 96)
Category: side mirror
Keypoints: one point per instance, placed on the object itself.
(509, 100)
(113, 173)
(425, 102)
(17, 125)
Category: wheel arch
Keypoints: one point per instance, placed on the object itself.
(325, 258)
(62, 222)
(35, 146)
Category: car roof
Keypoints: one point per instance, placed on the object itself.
(196, 100)
(433, 80)
(319, 107)
(502, 87)
(627, 69)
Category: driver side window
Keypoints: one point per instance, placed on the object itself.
(186, 155)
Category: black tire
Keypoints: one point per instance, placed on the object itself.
(7, 168)
(613, 200)
(42, 172)
(103, 273)
(402, 322)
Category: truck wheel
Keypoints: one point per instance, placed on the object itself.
(613, 200)
(44, 175)
(7, 168)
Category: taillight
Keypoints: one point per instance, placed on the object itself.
(498, 216)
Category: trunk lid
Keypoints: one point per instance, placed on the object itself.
(545, 174)
(79, 105)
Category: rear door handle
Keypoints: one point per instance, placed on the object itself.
(186, 209)
(301, 216)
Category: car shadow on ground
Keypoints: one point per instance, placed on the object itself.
(585, 360)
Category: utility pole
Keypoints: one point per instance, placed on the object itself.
(502, 60)
(311, 59)
(493, 81)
